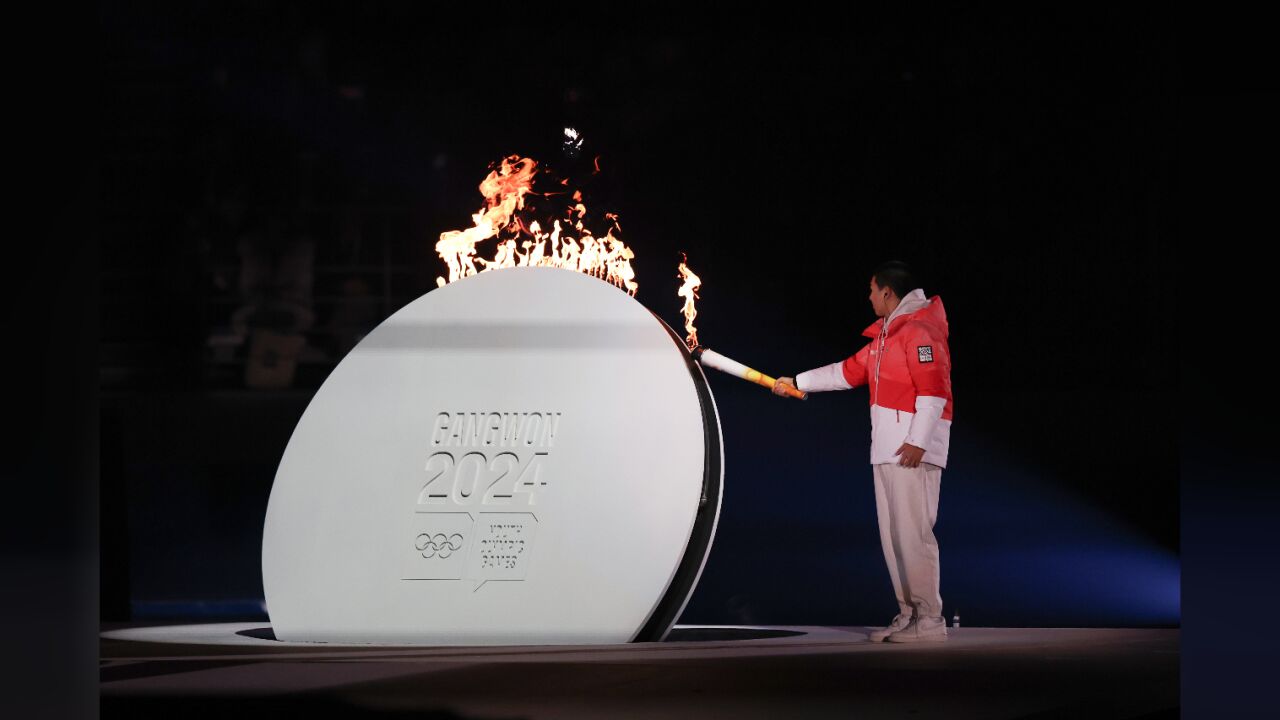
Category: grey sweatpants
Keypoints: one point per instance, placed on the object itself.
(907, 508)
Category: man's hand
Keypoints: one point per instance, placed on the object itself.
(911, 455)
(777, 386)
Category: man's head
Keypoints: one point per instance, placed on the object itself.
(889, 284)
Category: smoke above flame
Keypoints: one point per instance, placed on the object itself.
(521, 241)
(689, 291)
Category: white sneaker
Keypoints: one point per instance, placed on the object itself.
(899, 623)
(928, 629)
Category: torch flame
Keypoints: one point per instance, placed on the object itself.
(689, 291)
(574, 247)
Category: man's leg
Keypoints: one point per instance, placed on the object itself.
(911, 496)
(884, 517)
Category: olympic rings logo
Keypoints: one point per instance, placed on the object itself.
(438, 545)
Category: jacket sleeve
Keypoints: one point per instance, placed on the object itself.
(929, 362)
(844, 375)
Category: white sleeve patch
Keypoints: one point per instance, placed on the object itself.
(925, 352)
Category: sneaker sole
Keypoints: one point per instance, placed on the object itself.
(883, 635)
(926, 638)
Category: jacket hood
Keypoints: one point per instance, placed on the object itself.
(914, 307)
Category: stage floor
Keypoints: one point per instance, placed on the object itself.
(239, 670)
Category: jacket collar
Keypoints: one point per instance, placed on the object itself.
(915, 300)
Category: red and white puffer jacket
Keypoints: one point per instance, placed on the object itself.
(907, 367)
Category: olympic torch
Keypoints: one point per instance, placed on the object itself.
(710, 358)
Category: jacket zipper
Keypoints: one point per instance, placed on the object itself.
(884, 334)
(879, 357)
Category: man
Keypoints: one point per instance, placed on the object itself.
(907, 368)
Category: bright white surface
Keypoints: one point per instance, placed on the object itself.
(584, 558)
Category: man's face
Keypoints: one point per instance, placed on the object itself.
(879, 298)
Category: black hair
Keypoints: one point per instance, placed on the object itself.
(896, 276)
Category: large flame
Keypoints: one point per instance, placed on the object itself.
(570, 245)
(689, 291)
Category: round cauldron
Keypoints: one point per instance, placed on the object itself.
(526, 456)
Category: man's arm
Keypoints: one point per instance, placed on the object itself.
(844, 375)
(929, 362)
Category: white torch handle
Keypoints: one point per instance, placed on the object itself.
(711, 358)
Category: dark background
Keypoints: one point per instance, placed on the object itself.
(1022, 163)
